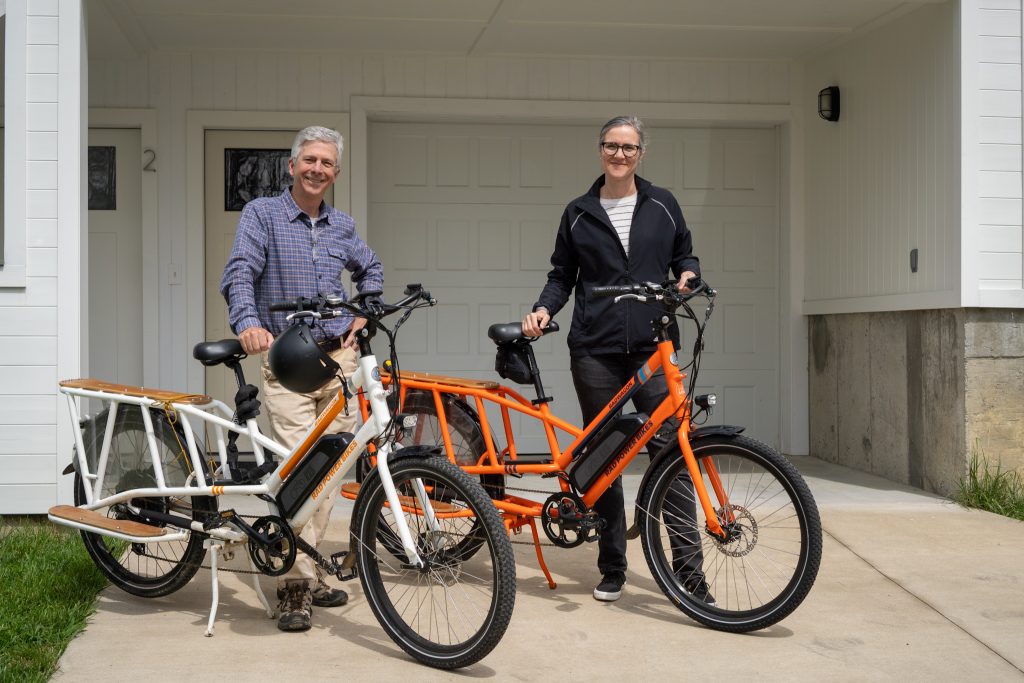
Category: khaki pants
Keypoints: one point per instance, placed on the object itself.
(290, 416)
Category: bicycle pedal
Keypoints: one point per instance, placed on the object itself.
(222, 518)
(348, 561)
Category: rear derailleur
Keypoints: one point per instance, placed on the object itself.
(568, 522)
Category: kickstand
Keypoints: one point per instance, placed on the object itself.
(540, 557)
(215, 547)
(259, 591)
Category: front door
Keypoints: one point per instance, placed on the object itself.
(115, 255)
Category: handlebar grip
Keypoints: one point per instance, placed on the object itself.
(283, 306)
(613, 290)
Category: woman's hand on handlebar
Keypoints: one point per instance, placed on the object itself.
(684, 281)
(534, 323)
(255, 340)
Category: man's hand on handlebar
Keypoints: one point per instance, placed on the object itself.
(374, 305)
(349, 342)
(534, 323)
(255, 340)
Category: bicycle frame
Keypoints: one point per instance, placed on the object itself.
(674, 405)
(364, 381)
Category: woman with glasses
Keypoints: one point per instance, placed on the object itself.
(623, 230)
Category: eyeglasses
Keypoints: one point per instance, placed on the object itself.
(610, 149)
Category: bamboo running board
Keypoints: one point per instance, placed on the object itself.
(100, 521)
(351, 489)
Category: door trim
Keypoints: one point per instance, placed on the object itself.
(197, 123)
(145, 121)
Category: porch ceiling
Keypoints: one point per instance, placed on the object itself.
(670, 29)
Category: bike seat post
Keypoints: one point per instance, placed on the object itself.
(239, 375)
(537, 384)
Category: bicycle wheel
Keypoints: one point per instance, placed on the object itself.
(148, 570)
(464, 429)
(454, 611)
(770, 560)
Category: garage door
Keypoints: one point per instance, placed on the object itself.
(471, 211)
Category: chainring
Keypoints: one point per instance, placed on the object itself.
(566, 520)
(276, 557)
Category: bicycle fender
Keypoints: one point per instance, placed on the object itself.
(672, 451)
(420, 450)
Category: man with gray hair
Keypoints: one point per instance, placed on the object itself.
(288, 246)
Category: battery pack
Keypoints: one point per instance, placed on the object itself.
(310, 471)
(608, 443)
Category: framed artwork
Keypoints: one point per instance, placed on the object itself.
(102, 178)
(252, 173)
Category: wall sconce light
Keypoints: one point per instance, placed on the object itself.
(828, 103)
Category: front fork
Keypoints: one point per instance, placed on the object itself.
(714, 527)
(395, 503)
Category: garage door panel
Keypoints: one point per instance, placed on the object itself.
(478, 224)
(714, 167)
(745, 399)
(743, 332)
(535, 162)
(448, 241)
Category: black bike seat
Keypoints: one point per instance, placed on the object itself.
(503, 333)
(216, 352)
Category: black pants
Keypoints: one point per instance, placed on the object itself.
(597, 379)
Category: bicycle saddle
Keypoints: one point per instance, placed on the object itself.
(503, 333)
(216, 352)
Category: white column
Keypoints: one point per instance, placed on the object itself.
(71, 210)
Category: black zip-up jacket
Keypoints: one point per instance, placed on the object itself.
(588, 253)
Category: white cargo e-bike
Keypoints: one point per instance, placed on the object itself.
(431, 551)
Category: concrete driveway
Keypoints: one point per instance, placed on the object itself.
(911, 588)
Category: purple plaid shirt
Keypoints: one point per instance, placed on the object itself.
(278, 256)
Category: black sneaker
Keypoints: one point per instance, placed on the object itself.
(698, 588)
(295, 611)
(610, 588)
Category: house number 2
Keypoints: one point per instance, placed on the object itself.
(148, 166)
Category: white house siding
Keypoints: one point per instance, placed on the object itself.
(40, 317)
(175, 83)
(884, 179)
(991, 61)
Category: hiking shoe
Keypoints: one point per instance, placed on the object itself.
(698, 588)
(610, 588)
(296, 607)
(325, 596)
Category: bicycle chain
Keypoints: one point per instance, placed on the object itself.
(522, 490)
(205, 566)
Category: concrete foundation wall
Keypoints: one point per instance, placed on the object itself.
(995, 385)
(910, 396)
(888, 391)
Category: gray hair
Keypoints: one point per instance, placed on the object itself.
(631, 121)
(317, 134)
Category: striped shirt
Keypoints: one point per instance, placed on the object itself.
(620, 212)
(279, 254)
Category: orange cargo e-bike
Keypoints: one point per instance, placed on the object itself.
(730, 530)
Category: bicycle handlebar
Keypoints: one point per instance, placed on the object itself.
(666, 290)
(327, 306)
